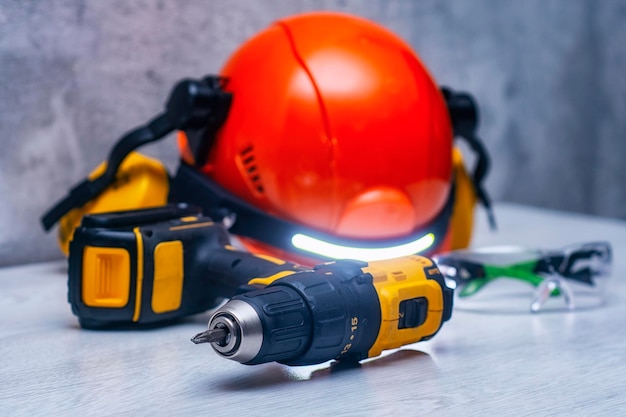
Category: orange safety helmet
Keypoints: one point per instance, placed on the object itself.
(323, 137)
(336, 125)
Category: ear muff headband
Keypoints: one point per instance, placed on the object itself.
(464, 117)
(199, 107)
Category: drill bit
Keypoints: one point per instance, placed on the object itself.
(216, 335)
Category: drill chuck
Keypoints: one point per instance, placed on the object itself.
(243, 334)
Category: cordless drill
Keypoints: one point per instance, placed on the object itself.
(344, 310)
(150, 266)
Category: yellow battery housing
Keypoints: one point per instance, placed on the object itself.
(106, 277)
(141, 182)
(414, 279)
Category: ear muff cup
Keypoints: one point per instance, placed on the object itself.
(462, 220)
(141, 182)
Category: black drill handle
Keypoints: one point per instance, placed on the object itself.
(227, 272)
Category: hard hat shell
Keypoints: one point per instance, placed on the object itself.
(335, 124)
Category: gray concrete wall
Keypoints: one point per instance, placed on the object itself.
(75, 75)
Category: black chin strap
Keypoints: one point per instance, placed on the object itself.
(464, 116)
(197, 106)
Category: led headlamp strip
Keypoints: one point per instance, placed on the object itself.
(332, 250)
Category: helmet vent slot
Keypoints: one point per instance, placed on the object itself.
(248, 161)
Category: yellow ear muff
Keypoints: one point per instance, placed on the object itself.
(462, 220)
(141, 182)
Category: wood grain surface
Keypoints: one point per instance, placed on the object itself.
(551, 364)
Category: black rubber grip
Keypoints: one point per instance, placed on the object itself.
(336, 315)
(287, 323)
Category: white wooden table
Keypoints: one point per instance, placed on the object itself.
(479, 364)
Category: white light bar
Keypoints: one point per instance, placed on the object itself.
(334, 251)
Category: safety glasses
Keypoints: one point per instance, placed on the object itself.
(504, 279)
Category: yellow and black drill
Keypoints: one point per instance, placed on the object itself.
(155, 265)
(344, 310)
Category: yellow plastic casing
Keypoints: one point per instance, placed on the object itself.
(105, 277)
(167, 291)
(462, 220)
(402, 279)
(265, 281)
(141, 182)
(268, 280)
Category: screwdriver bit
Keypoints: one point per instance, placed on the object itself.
(216, 335)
